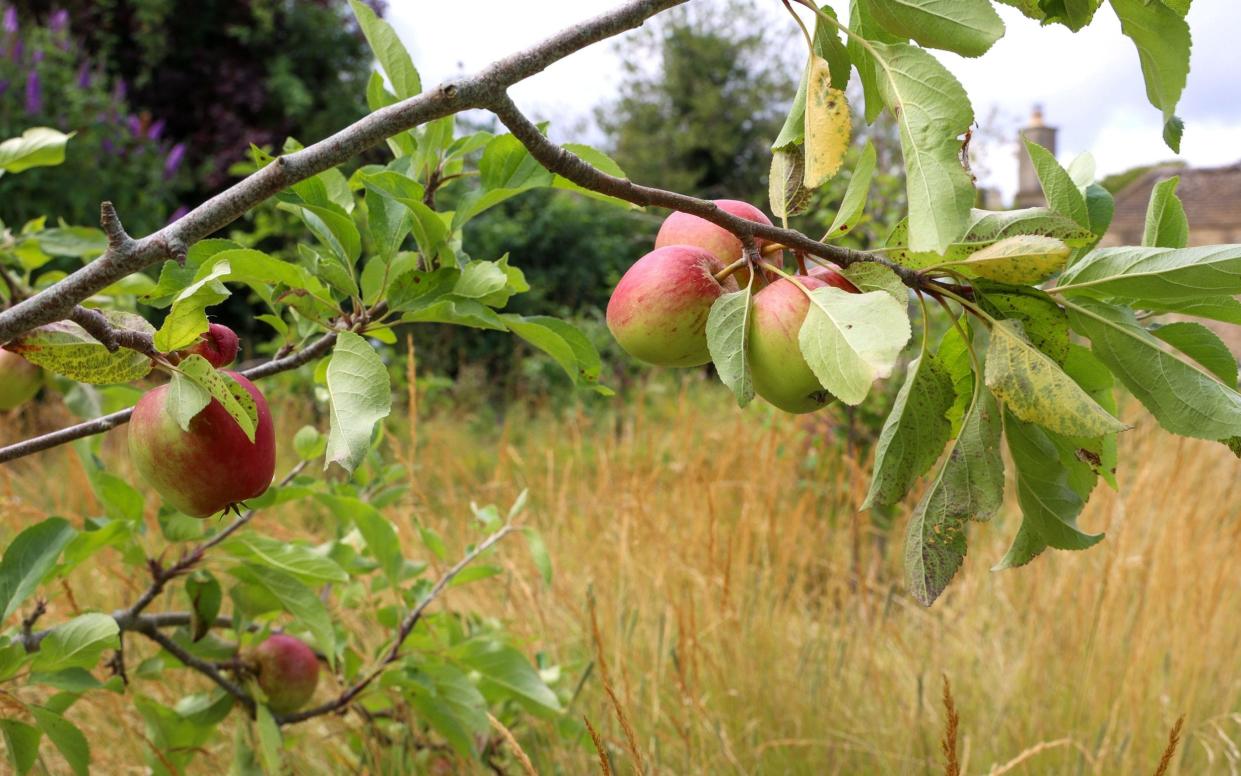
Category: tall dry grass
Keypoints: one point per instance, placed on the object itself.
(747, 619)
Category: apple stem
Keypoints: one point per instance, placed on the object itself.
(801, 262)
(730, 269)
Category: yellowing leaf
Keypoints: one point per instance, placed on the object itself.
(1037, 390)
(828, 125)
(1022, 260)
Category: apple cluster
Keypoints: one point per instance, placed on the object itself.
(658, 312)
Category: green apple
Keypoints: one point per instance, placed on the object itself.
(20, 380)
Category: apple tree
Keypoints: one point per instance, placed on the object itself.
(1042, 329)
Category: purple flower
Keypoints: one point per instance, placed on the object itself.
(4, 86)
(173, 161)
(34, 93)
(59, 21)
(107, 146)
(37, 56)
(121, 89)
(84, 76)
(178, 213)
(19, 48)
(135, 126)
(10, 19)
(156, 130)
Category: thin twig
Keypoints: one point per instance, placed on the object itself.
(201, 666)
(406, 627)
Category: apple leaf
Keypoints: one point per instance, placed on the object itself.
(987, 227)
(1166, 224)
(1043, 321)
(1185, 399)
(67, 349)
(953, 356)
(969, 486)
(1155, 275)
(1059, 188)
(196, 382)
(361, 396)
(828, 125)
(29, 557)
(295, 598)
(1037, 390)
(965, 27)
(567, 346)
(1162, 38)
(386, 45)
(37, 147)
(786, 190)
(871, 276)
(1020, 260)
(850, 340)
(1202, 345)
(77, 643)
(21, 741)
(65, 736)
(854, 203)
(728, 329)
(914, 433)
(188, 317)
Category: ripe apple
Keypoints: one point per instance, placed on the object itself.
(219, 346)
(20, 380)
(780, 372)
(685, 229)
(287, 671)
(210, 467)
(658, 312)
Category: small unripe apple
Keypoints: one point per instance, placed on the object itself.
(777, 366)
(219, 346)
(20, 380)
(685, 229)
(287, 671)
(658, 312)
(210, 467)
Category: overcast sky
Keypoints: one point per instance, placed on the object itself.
(1089, 83)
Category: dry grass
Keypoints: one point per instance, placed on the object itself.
(749, 620)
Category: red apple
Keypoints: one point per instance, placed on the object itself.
(658, 312)
(287, 671)
(833, 278)
(219, 346)
(210, 467)
(20, 380)
(685, 229)
(780, 372)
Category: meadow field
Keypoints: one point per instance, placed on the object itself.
(721, 606)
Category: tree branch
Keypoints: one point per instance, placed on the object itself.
(113, 338)
(407, 626)
(126, 255)
(573, 167)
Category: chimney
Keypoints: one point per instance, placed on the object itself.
(1029, 193)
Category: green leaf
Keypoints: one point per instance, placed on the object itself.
(970, 485)
(1202, 345)
(1185, 399)
(870, 276)
(66, 349)
(1043, 321)
(28, 559)
(382, 541)
(37, 147)
(864, 26)
(196, 382)
(728, 326)
(392, 56)
(1215, 308)
(1096, 380)
(505, 170)
(21, 741)
(851, 340)
(66, 736)
(539, 554)
(1058, 186)
(79, 242)
(205, 594)
(361, 396)
(953, 356)
(453, 706)
(931, 110)
(480, 279)
(854, 202)
(1166, 225)
(965, 27)
(505, 672)
(77, 643)
(914, 433)
(271, 742)
(786, 190)
(461, 312)
(302, 562)
(828, 126)
(188, 317)
(418, 290)
(567, 346)
(1155, 274)
(1173, 129)
(1037, 390)
(1049, 506)
(295, 598)
(1162, 39)
(333, 227)
(1100, 207)
(1019, 260)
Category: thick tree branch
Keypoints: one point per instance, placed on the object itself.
(126, 256)
(113, 338)
(410, 620)
(573, 167)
